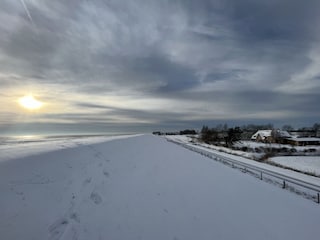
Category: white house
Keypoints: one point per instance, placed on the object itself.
(268, 135)
(262, 136)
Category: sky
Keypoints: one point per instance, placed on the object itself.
(119, 65)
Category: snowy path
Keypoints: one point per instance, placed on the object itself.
(143, 188)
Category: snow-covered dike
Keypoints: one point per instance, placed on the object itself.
(143, 188)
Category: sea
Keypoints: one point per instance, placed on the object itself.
(23, 139)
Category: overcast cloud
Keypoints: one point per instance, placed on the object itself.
(160, 63)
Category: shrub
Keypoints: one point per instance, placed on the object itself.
(245, 149)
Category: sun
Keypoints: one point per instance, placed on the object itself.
(30, 102)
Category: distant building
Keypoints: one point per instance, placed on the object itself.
(283, 137)
(262, 136)
(303, 141)
(304, 133)
(271, 136)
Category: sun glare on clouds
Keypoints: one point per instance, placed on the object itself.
(30, 102)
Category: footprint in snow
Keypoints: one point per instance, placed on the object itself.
(75, 217)
(87, 181)
(105, 173)
(98, 155)
(96, 198)
(57, 229)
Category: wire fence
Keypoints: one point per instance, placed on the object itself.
(286, 182)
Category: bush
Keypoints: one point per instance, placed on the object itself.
(245, 149)
(293, 150)
(258, 150)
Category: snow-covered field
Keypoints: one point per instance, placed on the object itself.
(142, 187)
(309, 164)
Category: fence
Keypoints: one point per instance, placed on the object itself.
(262, 173)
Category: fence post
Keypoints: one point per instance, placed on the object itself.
(318, 197)
(261, 176)
(284, 184)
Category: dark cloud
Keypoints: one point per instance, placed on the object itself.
(159, 117)
(274, 20)
(168, 76)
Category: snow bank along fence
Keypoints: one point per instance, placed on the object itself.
(286, 181)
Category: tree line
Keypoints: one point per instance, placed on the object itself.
(226, 136)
